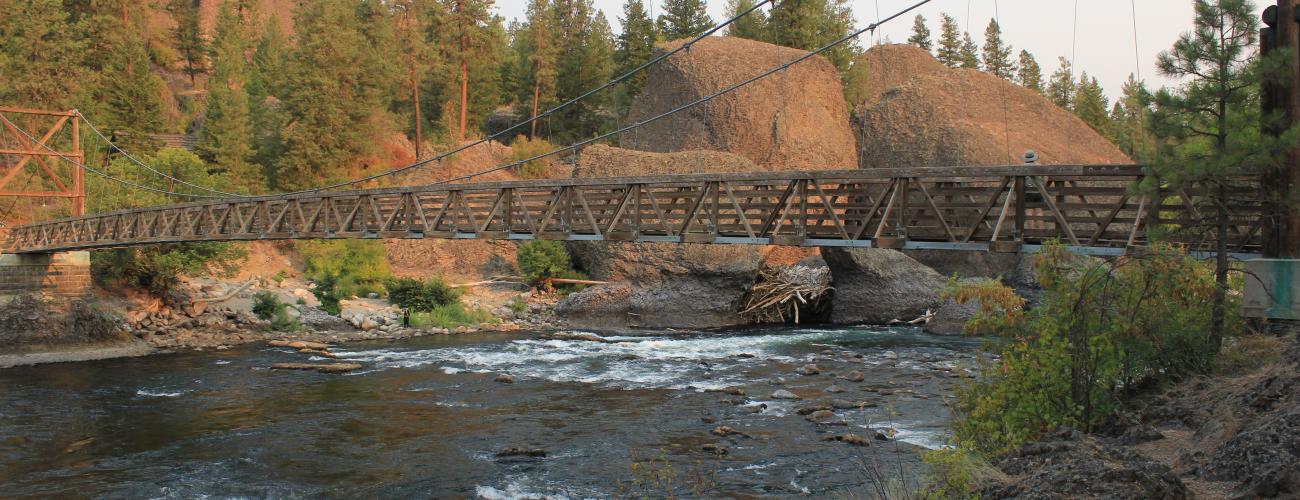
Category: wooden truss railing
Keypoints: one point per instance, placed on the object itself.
(997, 208)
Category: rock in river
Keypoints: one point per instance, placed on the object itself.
(825, 417)
(877, 286)
(809, 369)
(784, 394)
(504, 379)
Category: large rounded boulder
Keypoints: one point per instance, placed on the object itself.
(795, 119)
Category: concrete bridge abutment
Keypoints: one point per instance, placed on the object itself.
(65, 274)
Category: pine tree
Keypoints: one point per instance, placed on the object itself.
(812, 24)
(40, 55)
(635, 47)
(225, 141)
(266, 86)
(187, 36)
(920, 33)
(949, 52)
(332, 96)
(587, 60)
(1029, 75)
(1060, 89)
(752, 26)
(539, 53)
(684, 19)
(134, 97)
(969, 52)
(472, 39)
(1130, 118)
(1091, 105)
(418, 57)
(997, 54)
(1211, 121)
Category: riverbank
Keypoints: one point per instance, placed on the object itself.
(1234, 433)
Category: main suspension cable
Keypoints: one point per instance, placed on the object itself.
(133, 159)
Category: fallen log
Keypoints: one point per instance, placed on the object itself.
(319, 367)
(299, 344)
(225, 297)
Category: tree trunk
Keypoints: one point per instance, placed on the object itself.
(537, 91)
(415, 100)
(1219, 313)
(464, 95)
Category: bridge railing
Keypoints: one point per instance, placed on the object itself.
(999, 208)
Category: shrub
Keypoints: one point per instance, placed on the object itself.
(1099, 330)
(955, 473)
(159, 268)
(541, 259)
(268, 307)
(451, 316)
(522, 148)
(421, 296)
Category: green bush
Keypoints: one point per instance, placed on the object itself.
(451, 316)
(954, 473)
(421, 296)
(1100, 330)
(523, 148)
(159, 268)
(542, 259)
(344, 268)
(268, 307)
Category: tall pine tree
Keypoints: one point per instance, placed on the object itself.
(187, 37)
(332, 96)
(40, 55)
(635, 47)
(949, 52)
(1028, 74)
(539, 53)
(920, 33)
(225, 141)
(1060, 88)
(752, 26)
(1091, 105)
(684, 19)
(997, 54)
(970, 52)
(587, 60)
(812, 24)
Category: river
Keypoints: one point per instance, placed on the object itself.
(425, 418)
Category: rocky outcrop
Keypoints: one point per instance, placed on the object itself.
(878, 286)
(793, 120)
(885, 67)
(969, 117)
(1071, 465)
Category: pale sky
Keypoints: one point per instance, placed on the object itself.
(1105, 46)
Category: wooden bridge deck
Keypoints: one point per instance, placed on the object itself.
(998, 208)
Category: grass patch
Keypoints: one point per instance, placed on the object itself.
(1248, 353)
(451, 316)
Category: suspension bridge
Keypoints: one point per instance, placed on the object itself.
(1092, 208)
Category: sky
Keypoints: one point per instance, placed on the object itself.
(1105, 45)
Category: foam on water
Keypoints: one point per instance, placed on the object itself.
(626, 362)
(156, 394)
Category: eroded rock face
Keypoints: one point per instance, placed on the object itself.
(877, 286)
(1085, 468)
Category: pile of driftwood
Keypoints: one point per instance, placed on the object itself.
(787, 293)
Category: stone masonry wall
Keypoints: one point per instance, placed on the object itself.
(62, 274)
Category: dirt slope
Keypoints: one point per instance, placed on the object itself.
(794, 120)
(885, 67)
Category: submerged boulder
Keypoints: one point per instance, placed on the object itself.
(877, 286)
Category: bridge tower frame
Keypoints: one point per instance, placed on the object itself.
(39, 152)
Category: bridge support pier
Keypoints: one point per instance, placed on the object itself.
(60, 274)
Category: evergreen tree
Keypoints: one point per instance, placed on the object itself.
(266, 86)
(969, 52)
(418, 57)
(949, 52)
(134, 97)
(1091, 105)
(1029, 75)
(1210, 122)
(997, 54)
(225, 141)
(332, 96)
(635, 47)
(187, 37)
(1130, 117)
(752, 26)
(1060, 88)
(39, 55)
(684, 19)
(920, 34)
(540, 53)
(586, 61)
(473, 40)
(812, 24)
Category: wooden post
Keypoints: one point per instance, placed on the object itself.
(1019, 233)
(1288, 100)
(78, 175)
